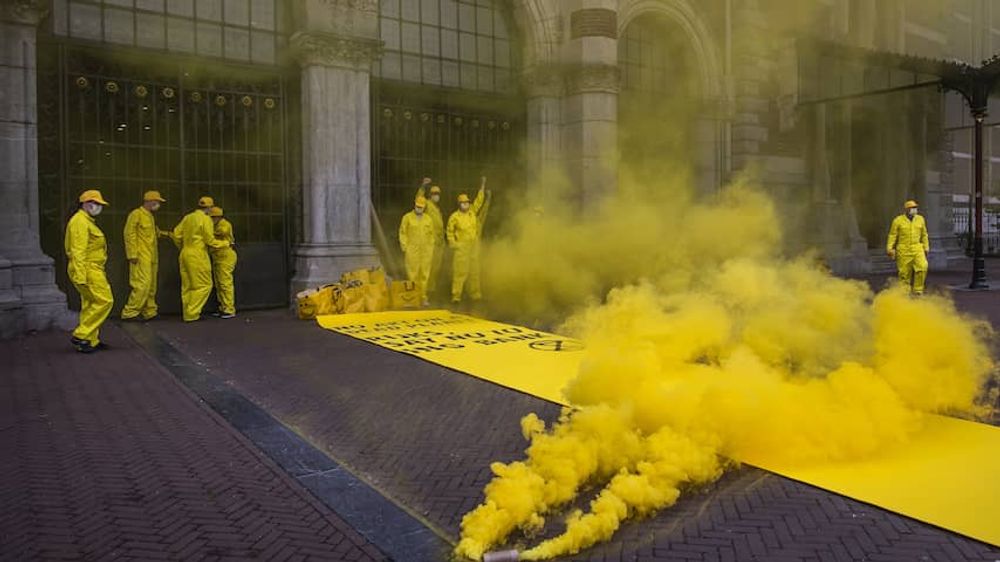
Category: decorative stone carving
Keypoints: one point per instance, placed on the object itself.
(360, 5)
(594, 78)
(24, 12)
(324, 49)
(544, 81)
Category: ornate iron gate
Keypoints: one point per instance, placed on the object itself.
(453, 137)
(125, 123)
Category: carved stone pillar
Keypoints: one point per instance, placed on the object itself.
(590, 105)
(335, 45)
(29, 298)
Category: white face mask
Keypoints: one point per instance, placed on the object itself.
(93, 209)
(464, 206)
(154, 207)
(435, 198)
(912, 212)
(418, 210)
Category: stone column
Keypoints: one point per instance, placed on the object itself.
(335, 45)
(543, 86)
(590, 108)
(29, 298)
(750, 69)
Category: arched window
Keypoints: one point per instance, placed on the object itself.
(660, 99)
(452, 43)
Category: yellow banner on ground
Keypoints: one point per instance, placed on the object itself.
(948, 476)
(523, 359)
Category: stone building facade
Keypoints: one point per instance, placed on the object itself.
(304, 116)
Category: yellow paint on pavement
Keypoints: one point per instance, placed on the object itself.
(948, 475)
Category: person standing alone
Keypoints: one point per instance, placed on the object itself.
(908, 244)
(86, 253)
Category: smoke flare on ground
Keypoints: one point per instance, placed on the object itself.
(703, 345)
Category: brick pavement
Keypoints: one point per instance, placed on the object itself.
(107, 457)
(425, 437)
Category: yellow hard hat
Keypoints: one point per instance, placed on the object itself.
(215, 212)
(92, 195)
(153, 196)
(206, 202)
(463, 198)
(435, 189)
(911, 204)
(420, 202)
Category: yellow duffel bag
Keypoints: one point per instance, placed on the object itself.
(376, 297)
(316, 302)
(405, 294)
(351, 298)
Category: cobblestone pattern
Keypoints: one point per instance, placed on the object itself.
(105, 456)
(410, 428)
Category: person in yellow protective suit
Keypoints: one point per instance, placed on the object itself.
(464, 230)
(86, 253)
(223, 265)
(416, 239)
(434, 212)
(194, 235)
(908, 244)
(142, 253)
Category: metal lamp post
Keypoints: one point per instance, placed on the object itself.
(975, 84)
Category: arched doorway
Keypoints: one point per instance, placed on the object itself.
(445, 103)
(665, 122)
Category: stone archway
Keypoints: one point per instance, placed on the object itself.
(535, 21)
(673, 95)
(695, 30)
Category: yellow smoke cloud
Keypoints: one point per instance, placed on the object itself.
(704, 344)
(704, 341)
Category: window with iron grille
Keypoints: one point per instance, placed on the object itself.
(124, 124)
(450, 140)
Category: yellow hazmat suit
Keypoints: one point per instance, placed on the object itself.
(87, 252)
(909, 244)
(464, 229)
(194, 234)
(434, 212)
(223, 265)
(142, 253)
(416, 238)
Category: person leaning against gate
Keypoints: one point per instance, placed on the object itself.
(86, 253)
(194, 235)
(223, 265)
(141, 236)
(908, 244)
